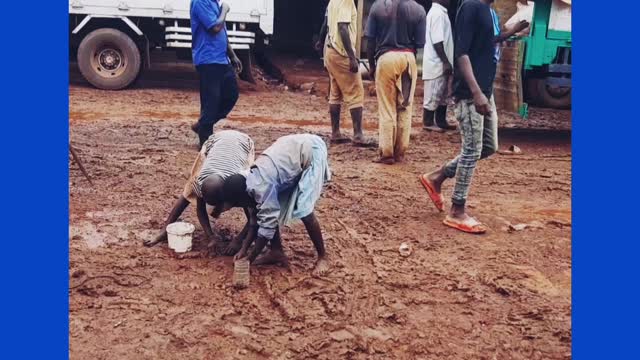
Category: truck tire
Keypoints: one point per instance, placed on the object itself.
(543, 95)
(109, 59)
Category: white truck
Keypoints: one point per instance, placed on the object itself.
(113, 39)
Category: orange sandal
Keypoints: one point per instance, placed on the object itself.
(433, 195)
(471, 226)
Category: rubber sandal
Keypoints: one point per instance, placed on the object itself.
(471, 228)
(433, 195)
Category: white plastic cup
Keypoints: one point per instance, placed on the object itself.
(180, 236)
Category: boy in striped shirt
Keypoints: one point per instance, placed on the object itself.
(225, 153)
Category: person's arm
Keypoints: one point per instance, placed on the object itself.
(323, 35)
(370, 33)
(420, 30)
(343, 30)
(268, 212)
(437, 38)
(446, 64)
(208, 14)
(235, 61)
(510, 31)
(222, 18)
(464, 35)
(250, 236)
(203, 218)
(479, 98)
(176, 211)
(371, 56)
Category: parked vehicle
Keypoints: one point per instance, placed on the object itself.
(547, 58)
(113, 39)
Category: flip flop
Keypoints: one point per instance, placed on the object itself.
(433, 195)
(471, 225)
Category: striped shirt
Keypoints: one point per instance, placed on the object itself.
(228, 152)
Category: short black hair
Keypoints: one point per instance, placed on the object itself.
(211, 189)
(235, 189)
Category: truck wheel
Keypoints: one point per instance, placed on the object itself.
(109, 59)
(548, 96)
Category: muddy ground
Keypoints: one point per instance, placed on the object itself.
(503, 295)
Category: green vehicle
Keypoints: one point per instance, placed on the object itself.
(547, 57)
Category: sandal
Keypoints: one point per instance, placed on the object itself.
(471, 225)
(433, 195)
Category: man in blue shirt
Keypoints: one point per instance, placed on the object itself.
(213, 57)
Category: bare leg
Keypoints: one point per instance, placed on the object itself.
(436, 179)
(313, 228)
(176, 211)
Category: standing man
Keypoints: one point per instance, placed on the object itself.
(475, 71)
(340, 27)
(212, 56)
(437, 67)
(395, 30)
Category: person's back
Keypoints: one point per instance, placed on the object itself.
(397, 23)
(290, 155)
(474, 36)
(228, 153)
(395, 31)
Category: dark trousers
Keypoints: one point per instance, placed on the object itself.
(218, 95)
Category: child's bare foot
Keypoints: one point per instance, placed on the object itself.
(273, 257)
(322, 267)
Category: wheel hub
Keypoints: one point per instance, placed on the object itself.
(109, 59)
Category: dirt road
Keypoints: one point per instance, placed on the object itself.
(504, 295)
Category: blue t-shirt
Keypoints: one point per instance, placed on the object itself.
(207, 48)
